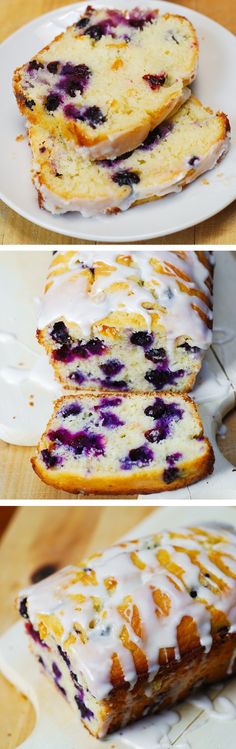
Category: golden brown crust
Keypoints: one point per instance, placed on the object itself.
(147, 482)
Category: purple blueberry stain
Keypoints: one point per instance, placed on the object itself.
(112, 367)
(174, 458)
(138, 456)
(110, 420)
(64, 655)
(142, 338)
(56, 670)
(50, 460)
(164, 414)
(77, 377)
(35, 635)
(82, 443)
(155, 81)
(109, 384)
(108, 403)
(96, 347)
(159, 133)
(71, 409)
(85, 712)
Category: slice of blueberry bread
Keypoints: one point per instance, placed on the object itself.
(127, 321)
(126, 443)
(109, 79)
(134, 628)
(175, 153)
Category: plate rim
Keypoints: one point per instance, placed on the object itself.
(108, 238)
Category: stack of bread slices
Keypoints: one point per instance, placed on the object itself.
(110, 117)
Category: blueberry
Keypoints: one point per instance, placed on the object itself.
(159, 379)
(95, 346)
(142, 338)
(126, 178)
(35, 635)
(112, 367)
(81, 442)
(77, 377)
(194, 160)
(157, 409)
(42, 572)
(49, 459)
(110, 420)
(190, 349)
(83, 22)
(60, 333)
(170, 474)
(93, 116)
(96, 31)
(30, 103)
(140, 456)
(193, 593)
(23, 608)
(114, 384)
(34, 65)
(159, 132)
(172, 459)
(53, 66)
(75, 78)
(42, 149)
(52, 102)
(72, 409)
(155, 81)
(64, 353)
(156, 354)
(158, 434)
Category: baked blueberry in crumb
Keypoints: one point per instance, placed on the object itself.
(93, 115)
(110, 420)
(138, 456)
(83, 22)
(34, 65)
(194, 161)
(82, 442)
(49, 459)
(64, 655)
(52, 102)
(77, 377)
(35, 635)
(60, 333)
(163, 377)
(170, 475)
(158, 434)
(53, 66)
(72, 409)
(114, 384)
(142, 338)
(108, 403)
(23, 608)
(155, 81)
(96, 347)
(126, 178)
(112, 367)
(30, 103)
(156, 355)
(84, 711)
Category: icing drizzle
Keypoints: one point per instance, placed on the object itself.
(138, 593)
(170, 288)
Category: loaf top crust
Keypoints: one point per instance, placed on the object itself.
(138, 606)
(102, 83)
(170, 291)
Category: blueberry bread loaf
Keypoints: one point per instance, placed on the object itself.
(139, 320)
(174, 154)
(135, 628)
(126, 443)
(109, 79)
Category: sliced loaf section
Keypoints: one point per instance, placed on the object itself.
(119, 444)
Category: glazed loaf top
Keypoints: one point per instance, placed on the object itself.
(170, 291)
(138, 606)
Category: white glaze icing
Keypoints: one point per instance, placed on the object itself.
(28, 389)
(91, 208)
(137, 577)
(72, 296)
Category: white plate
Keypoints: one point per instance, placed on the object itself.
(58, 727)
(214, 86)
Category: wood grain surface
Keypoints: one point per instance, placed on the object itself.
(14, 229)
(55, 536)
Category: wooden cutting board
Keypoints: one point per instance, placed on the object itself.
(53, 536)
